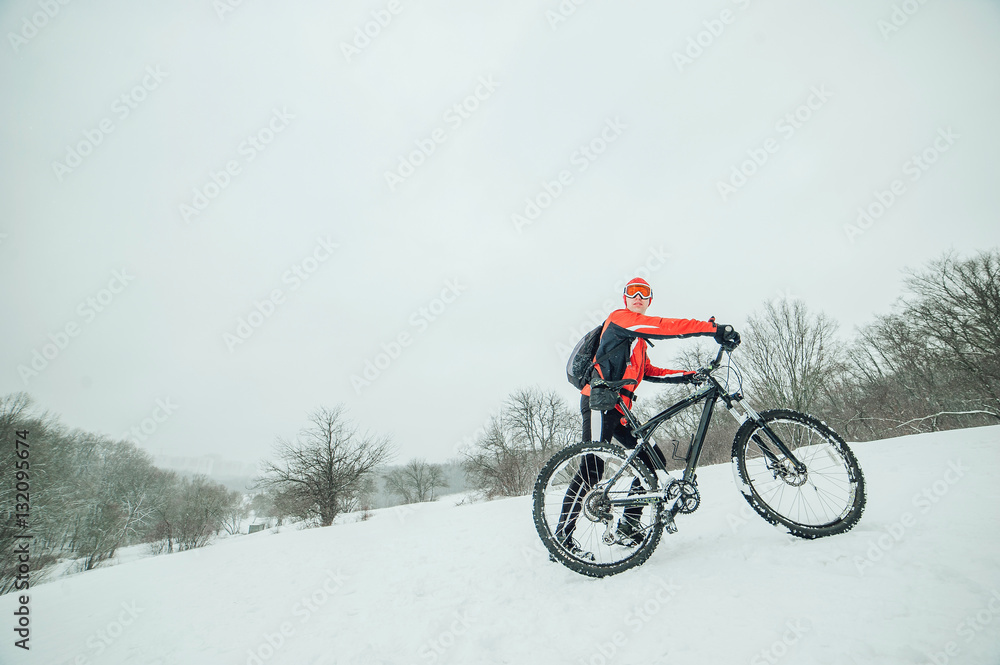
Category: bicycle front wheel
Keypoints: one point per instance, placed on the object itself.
(825, 498)
(575, 519)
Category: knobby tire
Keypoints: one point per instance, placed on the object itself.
(828, 499)
(553, 489)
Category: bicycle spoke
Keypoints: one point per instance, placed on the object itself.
(573, 508)
(818, 495)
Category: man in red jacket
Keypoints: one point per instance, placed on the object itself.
(621, 354)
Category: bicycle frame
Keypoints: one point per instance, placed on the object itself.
(643, 432)
(711, 392)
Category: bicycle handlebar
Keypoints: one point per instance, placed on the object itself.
(714, 365)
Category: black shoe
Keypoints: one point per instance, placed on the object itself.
(577, 551)
(570, 545)
(629, 533)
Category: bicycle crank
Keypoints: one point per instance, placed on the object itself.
(686, 493)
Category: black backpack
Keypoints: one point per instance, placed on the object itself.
(581, 358)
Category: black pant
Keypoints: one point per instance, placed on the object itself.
(612, 428)
(592, 468)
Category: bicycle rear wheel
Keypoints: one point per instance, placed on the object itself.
(574, 519)
(825, 499)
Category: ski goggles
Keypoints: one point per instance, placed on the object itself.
(641, 290)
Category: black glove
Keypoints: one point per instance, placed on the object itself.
(726, 336)
(696, 378)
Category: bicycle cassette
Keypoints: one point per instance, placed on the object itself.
(686, 493)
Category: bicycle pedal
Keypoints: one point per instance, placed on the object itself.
(667, 521)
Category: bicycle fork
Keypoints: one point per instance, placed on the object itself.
(774, 462)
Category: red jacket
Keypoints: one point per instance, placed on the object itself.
(621, 353)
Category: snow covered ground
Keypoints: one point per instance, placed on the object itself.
(918, 581)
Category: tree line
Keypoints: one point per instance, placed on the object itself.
(91, 495)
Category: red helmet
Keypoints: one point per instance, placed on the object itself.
(637, 286)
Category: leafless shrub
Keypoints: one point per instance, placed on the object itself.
(322, 472)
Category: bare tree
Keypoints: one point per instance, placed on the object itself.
(119, 489)
(415, 482)
(793, 358)
(497, 467)
(263, 508)
(954, 306)
(532, 425)
(321, 473)
(90, 495)
(202, 508)
(538, 422)
(234, 513)
(166, 511)
(13, 412)
(934, 362)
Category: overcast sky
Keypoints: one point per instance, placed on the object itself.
(219, 217)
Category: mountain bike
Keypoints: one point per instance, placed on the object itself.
(600, 510)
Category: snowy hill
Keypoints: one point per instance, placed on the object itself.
(918, 581)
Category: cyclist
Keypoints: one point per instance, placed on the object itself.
(621, 354)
